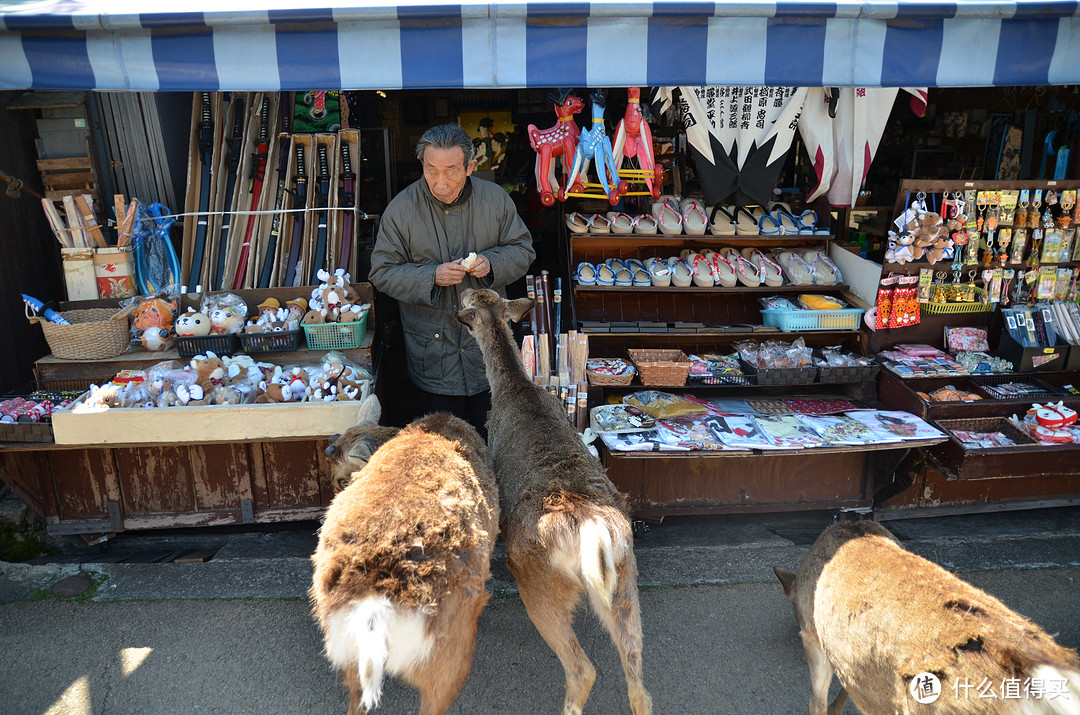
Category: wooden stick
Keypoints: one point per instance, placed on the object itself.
(90, 221)
(56, 223)
(75, 226)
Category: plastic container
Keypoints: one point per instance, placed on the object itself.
(199, 345)
(799, 320)
(278, 342)
(336, 336)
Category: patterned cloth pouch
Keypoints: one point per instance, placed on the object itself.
(966, 339)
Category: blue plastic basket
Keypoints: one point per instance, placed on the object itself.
(798, 320)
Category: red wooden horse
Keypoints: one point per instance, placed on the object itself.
(558, 140)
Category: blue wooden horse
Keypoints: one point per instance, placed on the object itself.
(595, 144)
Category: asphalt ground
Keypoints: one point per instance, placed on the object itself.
(235, 634)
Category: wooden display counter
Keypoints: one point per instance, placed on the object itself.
(182, 481)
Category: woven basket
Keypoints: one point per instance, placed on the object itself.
(606, 380)
(988, 424)
(661, 368)
(94, 333)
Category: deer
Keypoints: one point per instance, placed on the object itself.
(402, 561)
(348, 453)
(565, 525)
(558, 140)
(889, 623)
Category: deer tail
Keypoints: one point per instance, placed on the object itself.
(598, 559)
(1062, 679)
(359, 634)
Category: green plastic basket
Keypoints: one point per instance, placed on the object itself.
(336, 336)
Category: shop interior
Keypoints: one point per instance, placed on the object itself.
(1011, 139)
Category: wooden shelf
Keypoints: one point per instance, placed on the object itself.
(714, 289)
(615, 240)
(719, 333)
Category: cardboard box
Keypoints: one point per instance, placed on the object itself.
(212, 423)
(1032, 359)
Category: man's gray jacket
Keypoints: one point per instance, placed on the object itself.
(417, 233)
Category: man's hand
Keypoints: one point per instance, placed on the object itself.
(450, 274)
(481, 266)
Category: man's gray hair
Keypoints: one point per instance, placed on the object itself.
(446, 136)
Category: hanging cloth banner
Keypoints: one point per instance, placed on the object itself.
(739, 137)
(842, 148)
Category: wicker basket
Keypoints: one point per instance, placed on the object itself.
(94, 333)
(721, 380)
(987, 424)
(606, 380)
(26, 432)
(783, 375)
(661, 368)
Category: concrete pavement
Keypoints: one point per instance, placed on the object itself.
(234, 634)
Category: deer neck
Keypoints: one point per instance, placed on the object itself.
(502, 360)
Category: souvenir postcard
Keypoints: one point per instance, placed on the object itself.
(788, 431)
(739, 431)
(902, 425)
(840, 429)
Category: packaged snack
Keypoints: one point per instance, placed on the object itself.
(814, 301)
(662, 405)
(777, 302)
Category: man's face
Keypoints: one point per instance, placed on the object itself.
(445, 172)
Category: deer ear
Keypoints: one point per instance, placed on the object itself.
(469, 317)
(517, 309)
(787, 580)
(370, 411)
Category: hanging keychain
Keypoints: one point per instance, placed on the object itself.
(1034, 214)
(1004, 239)
(1020, 218)
(940, 296)
(1068, 201)
(969, 289)
(1018, 244)
(1006, 286)
(983, 199)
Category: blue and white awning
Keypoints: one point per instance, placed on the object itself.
(244, 45)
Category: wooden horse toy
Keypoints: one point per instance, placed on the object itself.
(595, 144)
(560, 140)
(633, 138)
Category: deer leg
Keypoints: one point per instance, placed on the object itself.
(623, 621)
(442, 676)
(821, 673)
(549, 600)
(351, 678)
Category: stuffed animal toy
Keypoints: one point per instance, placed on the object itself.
(162, 392)
(192, 324)
(207, 368)
(273, 393)
(100, 398)
(226, 320)
(152, 323)
(190, 395)
(297, 308)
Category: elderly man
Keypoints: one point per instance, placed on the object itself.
(423, 257)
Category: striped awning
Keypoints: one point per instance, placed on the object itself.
(245, 45)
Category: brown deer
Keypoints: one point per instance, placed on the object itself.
(349, 453)
(883, 618)
(402, 561)
(564, 523)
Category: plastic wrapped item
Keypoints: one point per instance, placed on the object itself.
(227, 312)
(951, 393)
(152, 321)
(775, 354)
(981, 363)
(663, 405)
(966, 338)
(619, 419)
(835, 357)
(776, 302)
(815, 301)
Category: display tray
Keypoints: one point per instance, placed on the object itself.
(1015, 387)
(1027, 458)
(211, 423)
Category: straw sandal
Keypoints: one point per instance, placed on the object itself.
(795, 269)
(645, 223)
(701, 270)
(824, 270)
(788, 224)
(586, 273)
(746, 222)
(768, 269)
(659, 272)
(624, 278)
(600, 223)
(747, 273)
(694, 219)
(604, 275)
(721, 220)
(620, 222)
(681, 275)
(722, 269)
(577, 222)
(669, 219)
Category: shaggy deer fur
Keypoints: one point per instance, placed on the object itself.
(564, 523)
(349, 453)
(402, 561)
(880, 615)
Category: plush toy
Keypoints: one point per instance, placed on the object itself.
(207, 368)
(297, 308)
(100, 398)
(190, 395)
(273, 393)
(152, 323)
(162, 392)
(192, 324)
(226, 320)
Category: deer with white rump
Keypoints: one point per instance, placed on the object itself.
(564, 523)
(403, 557)
(906, 636)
